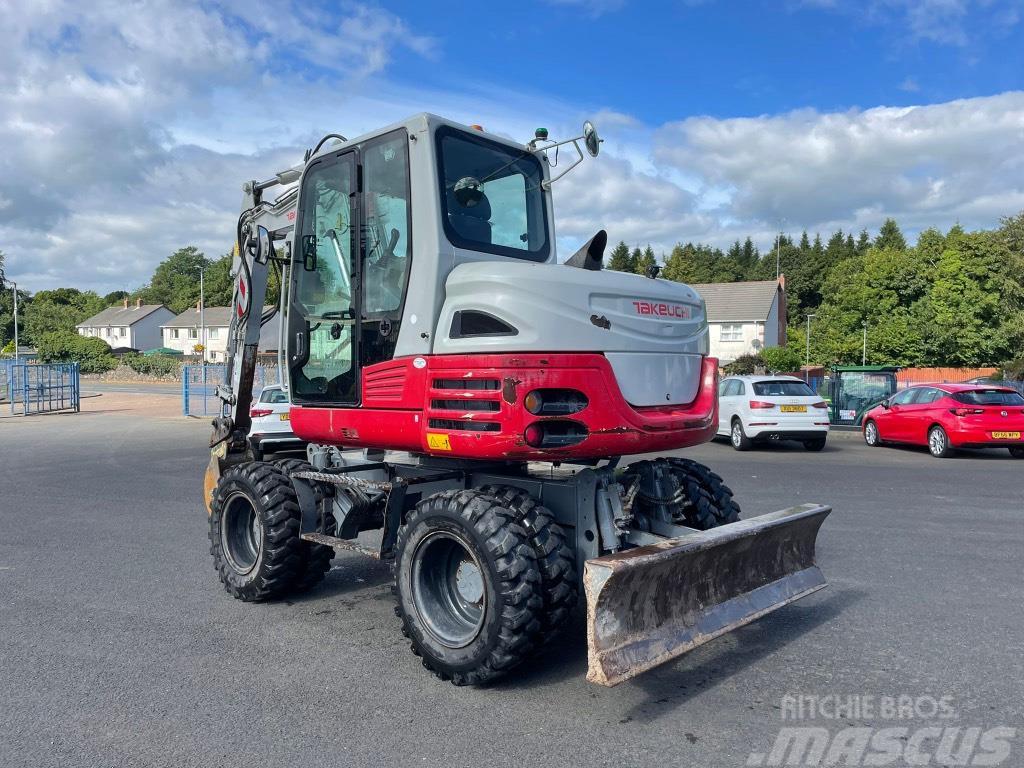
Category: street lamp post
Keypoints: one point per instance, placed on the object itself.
(807, 365)
(202, 313)
(14, 287)
(864, 349)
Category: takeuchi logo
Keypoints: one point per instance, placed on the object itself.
(660, 309)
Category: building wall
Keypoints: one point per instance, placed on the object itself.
(145, 333)
(216, 341)
(764, 332)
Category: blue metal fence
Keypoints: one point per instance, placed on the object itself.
(38, 388)
(199, 387)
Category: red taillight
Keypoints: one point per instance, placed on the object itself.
(534, 435)
(255, 413)
(760, 404)
(966, 411)
(821, 404)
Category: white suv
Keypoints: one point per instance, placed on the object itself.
(271, 423)
(757, 408)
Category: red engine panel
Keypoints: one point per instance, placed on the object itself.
(471, 406)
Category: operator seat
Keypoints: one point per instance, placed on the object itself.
(472, 223)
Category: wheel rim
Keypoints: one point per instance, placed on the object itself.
(871, 431)
(737, 433)
(448, 589)
(241, 533)
(937, 441)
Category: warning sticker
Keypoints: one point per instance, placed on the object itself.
(438, 442)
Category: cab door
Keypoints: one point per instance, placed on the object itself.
(349, 277)
(323, 301)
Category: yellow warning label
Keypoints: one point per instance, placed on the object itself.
(438, 442)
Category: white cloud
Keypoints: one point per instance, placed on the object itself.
(928, 165)
(128, 130)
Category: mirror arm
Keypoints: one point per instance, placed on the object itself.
(547, 184)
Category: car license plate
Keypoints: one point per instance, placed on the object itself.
(285, 416)
(793, 408)
(1006, 435)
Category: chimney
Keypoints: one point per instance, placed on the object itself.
(199, 306)
(126, 303)
(138, 303)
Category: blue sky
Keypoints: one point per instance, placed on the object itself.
(662, 61)
(129, 128)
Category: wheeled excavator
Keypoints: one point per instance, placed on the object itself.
(470, 404)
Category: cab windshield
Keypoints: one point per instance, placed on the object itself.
(491, 196)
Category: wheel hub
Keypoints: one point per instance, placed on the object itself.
(241, 533)
(448, 588)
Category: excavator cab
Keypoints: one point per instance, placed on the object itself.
(471, 400)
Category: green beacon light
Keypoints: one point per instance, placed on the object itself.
(541, 134)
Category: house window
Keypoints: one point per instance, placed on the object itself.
(106, 332)
(213, 332)
(122, 331)
(175, 333)
(731, 332)
(193, 333)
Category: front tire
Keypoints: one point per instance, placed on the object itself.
(738, 437)
(316, 558)
(469, 591)
(871, 436)
(254, 532)
(679, 491)
(938, 443)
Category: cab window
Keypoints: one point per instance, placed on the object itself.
(491, 196)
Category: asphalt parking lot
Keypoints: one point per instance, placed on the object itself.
(118, 646)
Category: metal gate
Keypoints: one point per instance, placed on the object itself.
(36, 388)
(199, 387)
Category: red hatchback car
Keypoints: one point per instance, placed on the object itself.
(946, 417)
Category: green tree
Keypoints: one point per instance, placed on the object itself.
(890, 237)
(781, 359)
(620, 259)
(175, 282)
(115, 297)
(59, 310)
(91, 354)
(646, 262)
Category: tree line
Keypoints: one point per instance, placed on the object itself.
(953, 298)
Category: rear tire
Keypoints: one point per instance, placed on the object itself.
(871, 436)
(469, 591)
(1017, 453)
(679, 491)
(738, 437)
(316, 557)
(254, 532)
(550, 546)
(938, 443)
(815, 445)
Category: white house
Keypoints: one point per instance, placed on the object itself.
(136, 326)
(744, 318)
(186, 330)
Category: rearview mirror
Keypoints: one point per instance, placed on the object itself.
(591, 139)
(885, 404)
(309, 253)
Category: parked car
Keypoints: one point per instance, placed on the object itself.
(755, 409)
(271, 426)
(947, 417)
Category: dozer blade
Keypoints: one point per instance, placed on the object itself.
(648, 605)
